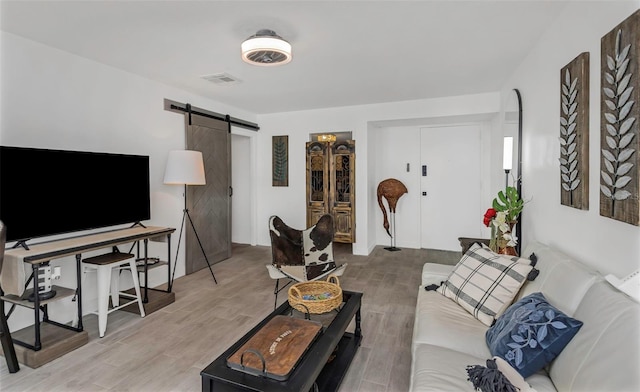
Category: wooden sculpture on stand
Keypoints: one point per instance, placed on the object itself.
(391, 189)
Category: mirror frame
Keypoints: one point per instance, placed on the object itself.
(519, 178)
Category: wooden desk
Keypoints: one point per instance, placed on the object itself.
(42, 253)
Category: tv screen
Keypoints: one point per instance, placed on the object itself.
(45, 192)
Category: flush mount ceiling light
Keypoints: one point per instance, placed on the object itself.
(266, 48)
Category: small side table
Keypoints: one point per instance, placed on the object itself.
(466, 242)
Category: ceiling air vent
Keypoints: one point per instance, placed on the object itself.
(221, 78)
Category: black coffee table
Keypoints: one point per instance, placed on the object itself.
(312, 372)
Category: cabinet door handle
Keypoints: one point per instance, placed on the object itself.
(230, 191)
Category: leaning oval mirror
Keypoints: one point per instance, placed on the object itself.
(512, 162)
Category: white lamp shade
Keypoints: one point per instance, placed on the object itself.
(507, 157)
(184, 167)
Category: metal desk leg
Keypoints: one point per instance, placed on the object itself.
(169, 285)
(146, 271)
(7, 343)
(36, 307)
(79, 289)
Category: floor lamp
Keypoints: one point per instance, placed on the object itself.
(507, 158)
(185, 167)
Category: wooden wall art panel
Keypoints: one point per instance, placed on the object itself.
(574, 133)
(619, 122)
(280, 161)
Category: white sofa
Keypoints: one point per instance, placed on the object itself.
(603, 356)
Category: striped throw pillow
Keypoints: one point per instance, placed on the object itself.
(485, 283)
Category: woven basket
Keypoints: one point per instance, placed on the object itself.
(299, 290)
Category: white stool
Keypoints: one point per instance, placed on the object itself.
(105, 266)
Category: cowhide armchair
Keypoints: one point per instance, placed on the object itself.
(301, 255)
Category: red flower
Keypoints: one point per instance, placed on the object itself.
(488, 216)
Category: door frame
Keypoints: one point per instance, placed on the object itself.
(252, 179)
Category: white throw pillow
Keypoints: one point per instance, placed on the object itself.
(485, 283)
(512, 375)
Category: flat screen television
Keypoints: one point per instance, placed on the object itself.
(46, 192)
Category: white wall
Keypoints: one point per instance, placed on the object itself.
(396, 146)
(608, 245)
(289, 202)
(53, 99)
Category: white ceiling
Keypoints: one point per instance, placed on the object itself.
(344, 52)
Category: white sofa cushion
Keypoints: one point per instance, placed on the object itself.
(433, 273)
(436, 368)
(562, 280)
(604, 354)
(440, 321)
(485, 283)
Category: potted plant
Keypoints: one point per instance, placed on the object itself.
(502, 217)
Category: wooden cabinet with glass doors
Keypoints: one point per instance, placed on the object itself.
(331, 186)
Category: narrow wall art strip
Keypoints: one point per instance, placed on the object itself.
(574, 133)
(619, 122)
(280, 161)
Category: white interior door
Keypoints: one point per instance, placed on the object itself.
(450, 192)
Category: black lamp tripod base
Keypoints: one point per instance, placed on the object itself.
(185, 215)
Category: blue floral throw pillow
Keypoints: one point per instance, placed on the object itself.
(531, 333)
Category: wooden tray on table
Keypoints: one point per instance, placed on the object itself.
(275, 350)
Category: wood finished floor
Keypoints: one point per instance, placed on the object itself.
(166, 350)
